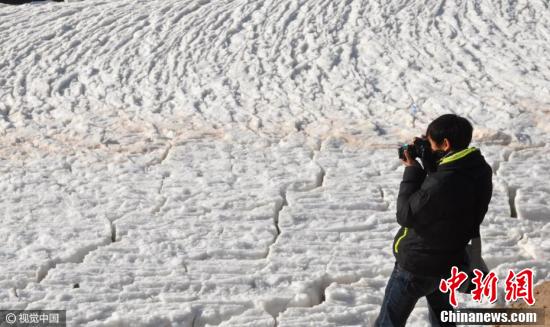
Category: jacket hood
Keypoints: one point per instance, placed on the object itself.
(468, 161)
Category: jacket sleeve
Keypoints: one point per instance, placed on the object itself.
(417, 203)
(409, 191)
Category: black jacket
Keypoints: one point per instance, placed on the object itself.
(440, 213)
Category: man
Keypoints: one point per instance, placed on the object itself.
(440, 207)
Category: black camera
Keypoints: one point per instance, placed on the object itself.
(419, 149)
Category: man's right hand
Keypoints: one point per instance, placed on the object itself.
(409, 162)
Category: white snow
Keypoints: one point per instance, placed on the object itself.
(234, 163)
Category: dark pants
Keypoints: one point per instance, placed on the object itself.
(403, 291)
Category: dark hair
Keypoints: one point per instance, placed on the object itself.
(456, 129)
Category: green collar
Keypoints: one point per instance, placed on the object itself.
(459, 155)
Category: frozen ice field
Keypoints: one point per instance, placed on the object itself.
(233, 163)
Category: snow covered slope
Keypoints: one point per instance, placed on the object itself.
(234, 163)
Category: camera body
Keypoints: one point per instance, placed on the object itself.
(418, 149)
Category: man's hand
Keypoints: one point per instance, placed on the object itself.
(408, 161)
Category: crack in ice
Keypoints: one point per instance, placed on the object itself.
(279, 205)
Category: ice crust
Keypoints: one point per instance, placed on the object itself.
(206, 163)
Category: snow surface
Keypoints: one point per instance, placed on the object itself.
(234, 163)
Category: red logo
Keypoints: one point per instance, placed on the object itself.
(485, 286)
(452, 284)
(520, 286)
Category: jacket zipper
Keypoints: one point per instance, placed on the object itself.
(396, 247)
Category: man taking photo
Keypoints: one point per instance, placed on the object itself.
(440, 207)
